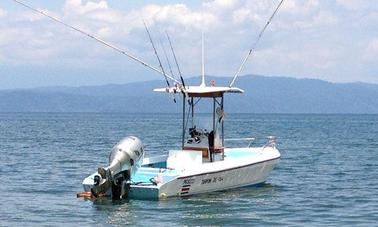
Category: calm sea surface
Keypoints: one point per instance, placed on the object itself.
(328, 174)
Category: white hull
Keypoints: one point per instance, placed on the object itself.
(241, 167)
(217, 176)
(221, 180)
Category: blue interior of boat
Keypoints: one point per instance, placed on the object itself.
(156, 165)
(144, 174)
(235, 153)
(151, 170)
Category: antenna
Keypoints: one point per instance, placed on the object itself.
(255, 44)
(158, 58)
(119, 50)
(203, 84)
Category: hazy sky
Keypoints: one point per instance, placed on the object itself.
(334, 40)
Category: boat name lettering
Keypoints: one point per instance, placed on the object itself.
(212, 180)
(189, 181)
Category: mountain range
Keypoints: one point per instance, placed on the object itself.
(262, 95)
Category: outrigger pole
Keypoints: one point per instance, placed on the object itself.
(255, 44)
(119, 50)
(158, 58)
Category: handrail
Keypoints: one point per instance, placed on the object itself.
(251, 139)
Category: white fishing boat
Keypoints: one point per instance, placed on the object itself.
(202, 164)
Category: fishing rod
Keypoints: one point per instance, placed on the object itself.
(158, 58)
(174, 56)
(98, 40)
(166, 58)
(182, 87)
(255, 44)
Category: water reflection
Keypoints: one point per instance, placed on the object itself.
(210, 208)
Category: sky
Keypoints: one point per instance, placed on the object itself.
(333, 40)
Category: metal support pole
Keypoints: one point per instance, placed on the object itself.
(214, 114)
(212, 152)
(183, 120)
(222, 128)
(192, 112)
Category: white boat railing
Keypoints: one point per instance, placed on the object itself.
(270, 143)
(250, 139)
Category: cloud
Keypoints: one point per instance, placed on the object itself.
(79, 8)
(3, 13)
(306, 38)
(221, 4)
(357, 5)
(371, 51)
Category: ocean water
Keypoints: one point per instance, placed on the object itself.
(328, 174)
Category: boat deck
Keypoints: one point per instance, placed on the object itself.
(241, 152)
(148, 174)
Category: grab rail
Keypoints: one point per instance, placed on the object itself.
(251, 139)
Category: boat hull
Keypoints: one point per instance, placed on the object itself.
(252, 174)
(241, 167)
(228, 178)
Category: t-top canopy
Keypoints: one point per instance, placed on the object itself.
(201, 91)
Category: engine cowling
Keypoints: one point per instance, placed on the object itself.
(126, 155)
(124, 160)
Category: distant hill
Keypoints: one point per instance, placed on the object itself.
(262, 95)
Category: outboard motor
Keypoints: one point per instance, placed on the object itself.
(124, 160)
